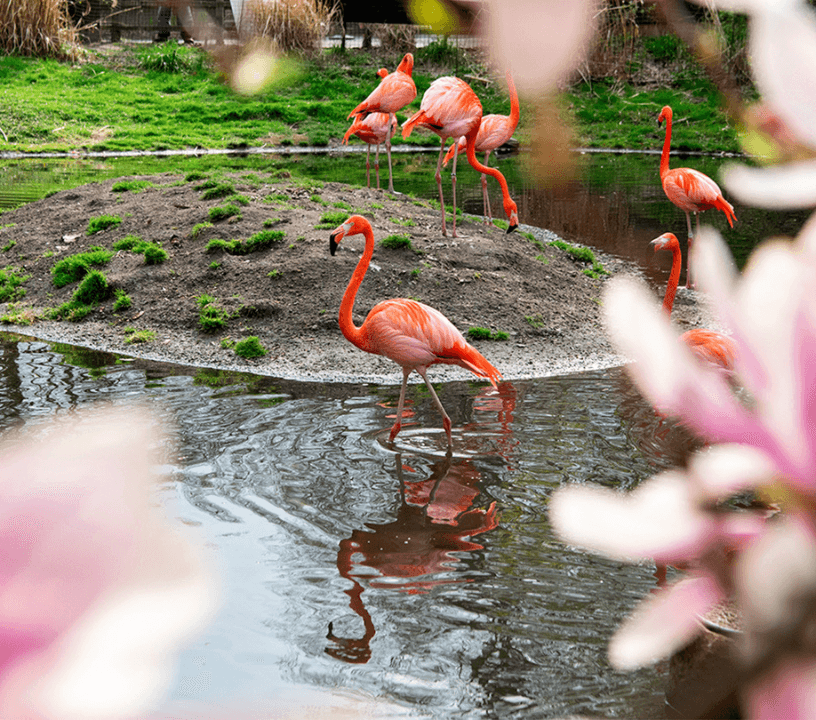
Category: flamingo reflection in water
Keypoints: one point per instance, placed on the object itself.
(436, 519)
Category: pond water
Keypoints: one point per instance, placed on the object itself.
(428, 580)
(397, 572)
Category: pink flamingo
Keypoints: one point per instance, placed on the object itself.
(712, 347)
(451, 109)
(394, 92)
(494, 131)
(411, 334)
(373, 129)
(690, 190)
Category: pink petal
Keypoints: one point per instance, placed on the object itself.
(658, 520)
(665, 369)
(789, 692)
(663, 623)
(722, 471)
(539, 41)
(788, 186)
(97, 589)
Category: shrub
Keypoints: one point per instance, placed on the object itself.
(103, 222)
(249, 347)
(40, 28)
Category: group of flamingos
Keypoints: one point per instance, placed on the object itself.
(416, 336)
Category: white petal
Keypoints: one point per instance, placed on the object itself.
(658, 520)
(783, 186)
(724, 470)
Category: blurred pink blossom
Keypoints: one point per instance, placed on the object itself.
(98, 589)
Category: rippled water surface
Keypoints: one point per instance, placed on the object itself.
(399, 572)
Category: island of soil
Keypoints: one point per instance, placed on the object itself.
(247, 256)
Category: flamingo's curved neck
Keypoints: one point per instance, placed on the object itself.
(664, 157)
(470, 150)
(515, 111)
(350, 330)
(674, 279)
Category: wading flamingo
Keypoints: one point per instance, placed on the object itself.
(394, 92)
(494, 131)
(691, 190)
(411, 334)
(373, 129)
(712, 347)
(451, 109)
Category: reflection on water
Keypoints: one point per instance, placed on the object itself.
(399, 572)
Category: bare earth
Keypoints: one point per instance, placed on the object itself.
(288, 295)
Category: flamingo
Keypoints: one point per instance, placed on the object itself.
(411, 334)
(690, 190)
(451, 109)
(494, 131)
(712, 347)
(373, 129)
(394, 92)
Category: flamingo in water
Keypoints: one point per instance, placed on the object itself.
(394, 92)
(411, 334)
(451, 109)
(691, 190)
(712, 347)
(494, 131)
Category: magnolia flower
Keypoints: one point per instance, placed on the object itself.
(98, 590)
(782, 48)
(668, 519)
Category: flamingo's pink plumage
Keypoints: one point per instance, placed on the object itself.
(410, 333)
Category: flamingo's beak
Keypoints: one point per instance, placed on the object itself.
(333, 244)
(510, 228)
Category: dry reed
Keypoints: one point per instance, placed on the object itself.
(37, 27)
(293, 25)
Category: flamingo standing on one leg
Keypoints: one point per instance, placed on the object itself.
(494, 131)
(690, 190)
(394, 92)
(712, 347)
(373, 129)
(451, 109)
(411, 334)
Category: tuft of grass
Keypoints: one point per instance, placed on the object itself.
(172, 58)
(211, 317)
(222, 212)
(18, 316)
(132, 186)
(584, 255)
(396, 242)
(217, 190)
(259, 241)
(11, 283)
(93, 289)
(481, 333)
(330, 220)
(75, 267)
(103, 222)
(122, 300)
(199, 228)
(9, 245)
(405, 222)
(227, 343)
(249, 347)
(134, 336)
(154, 254)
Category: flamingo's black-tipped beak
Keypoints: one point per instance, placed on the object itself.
(333, 244)
(510, 228)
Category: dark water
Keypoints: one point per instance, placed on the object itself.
(428, 580)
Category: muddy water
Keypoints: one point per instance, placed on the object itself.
(400, 572)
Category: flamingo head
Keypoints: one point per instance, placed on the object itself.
(665, 114)
(511, 210)
(667, 241)
(407, 64)
(354, 225)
